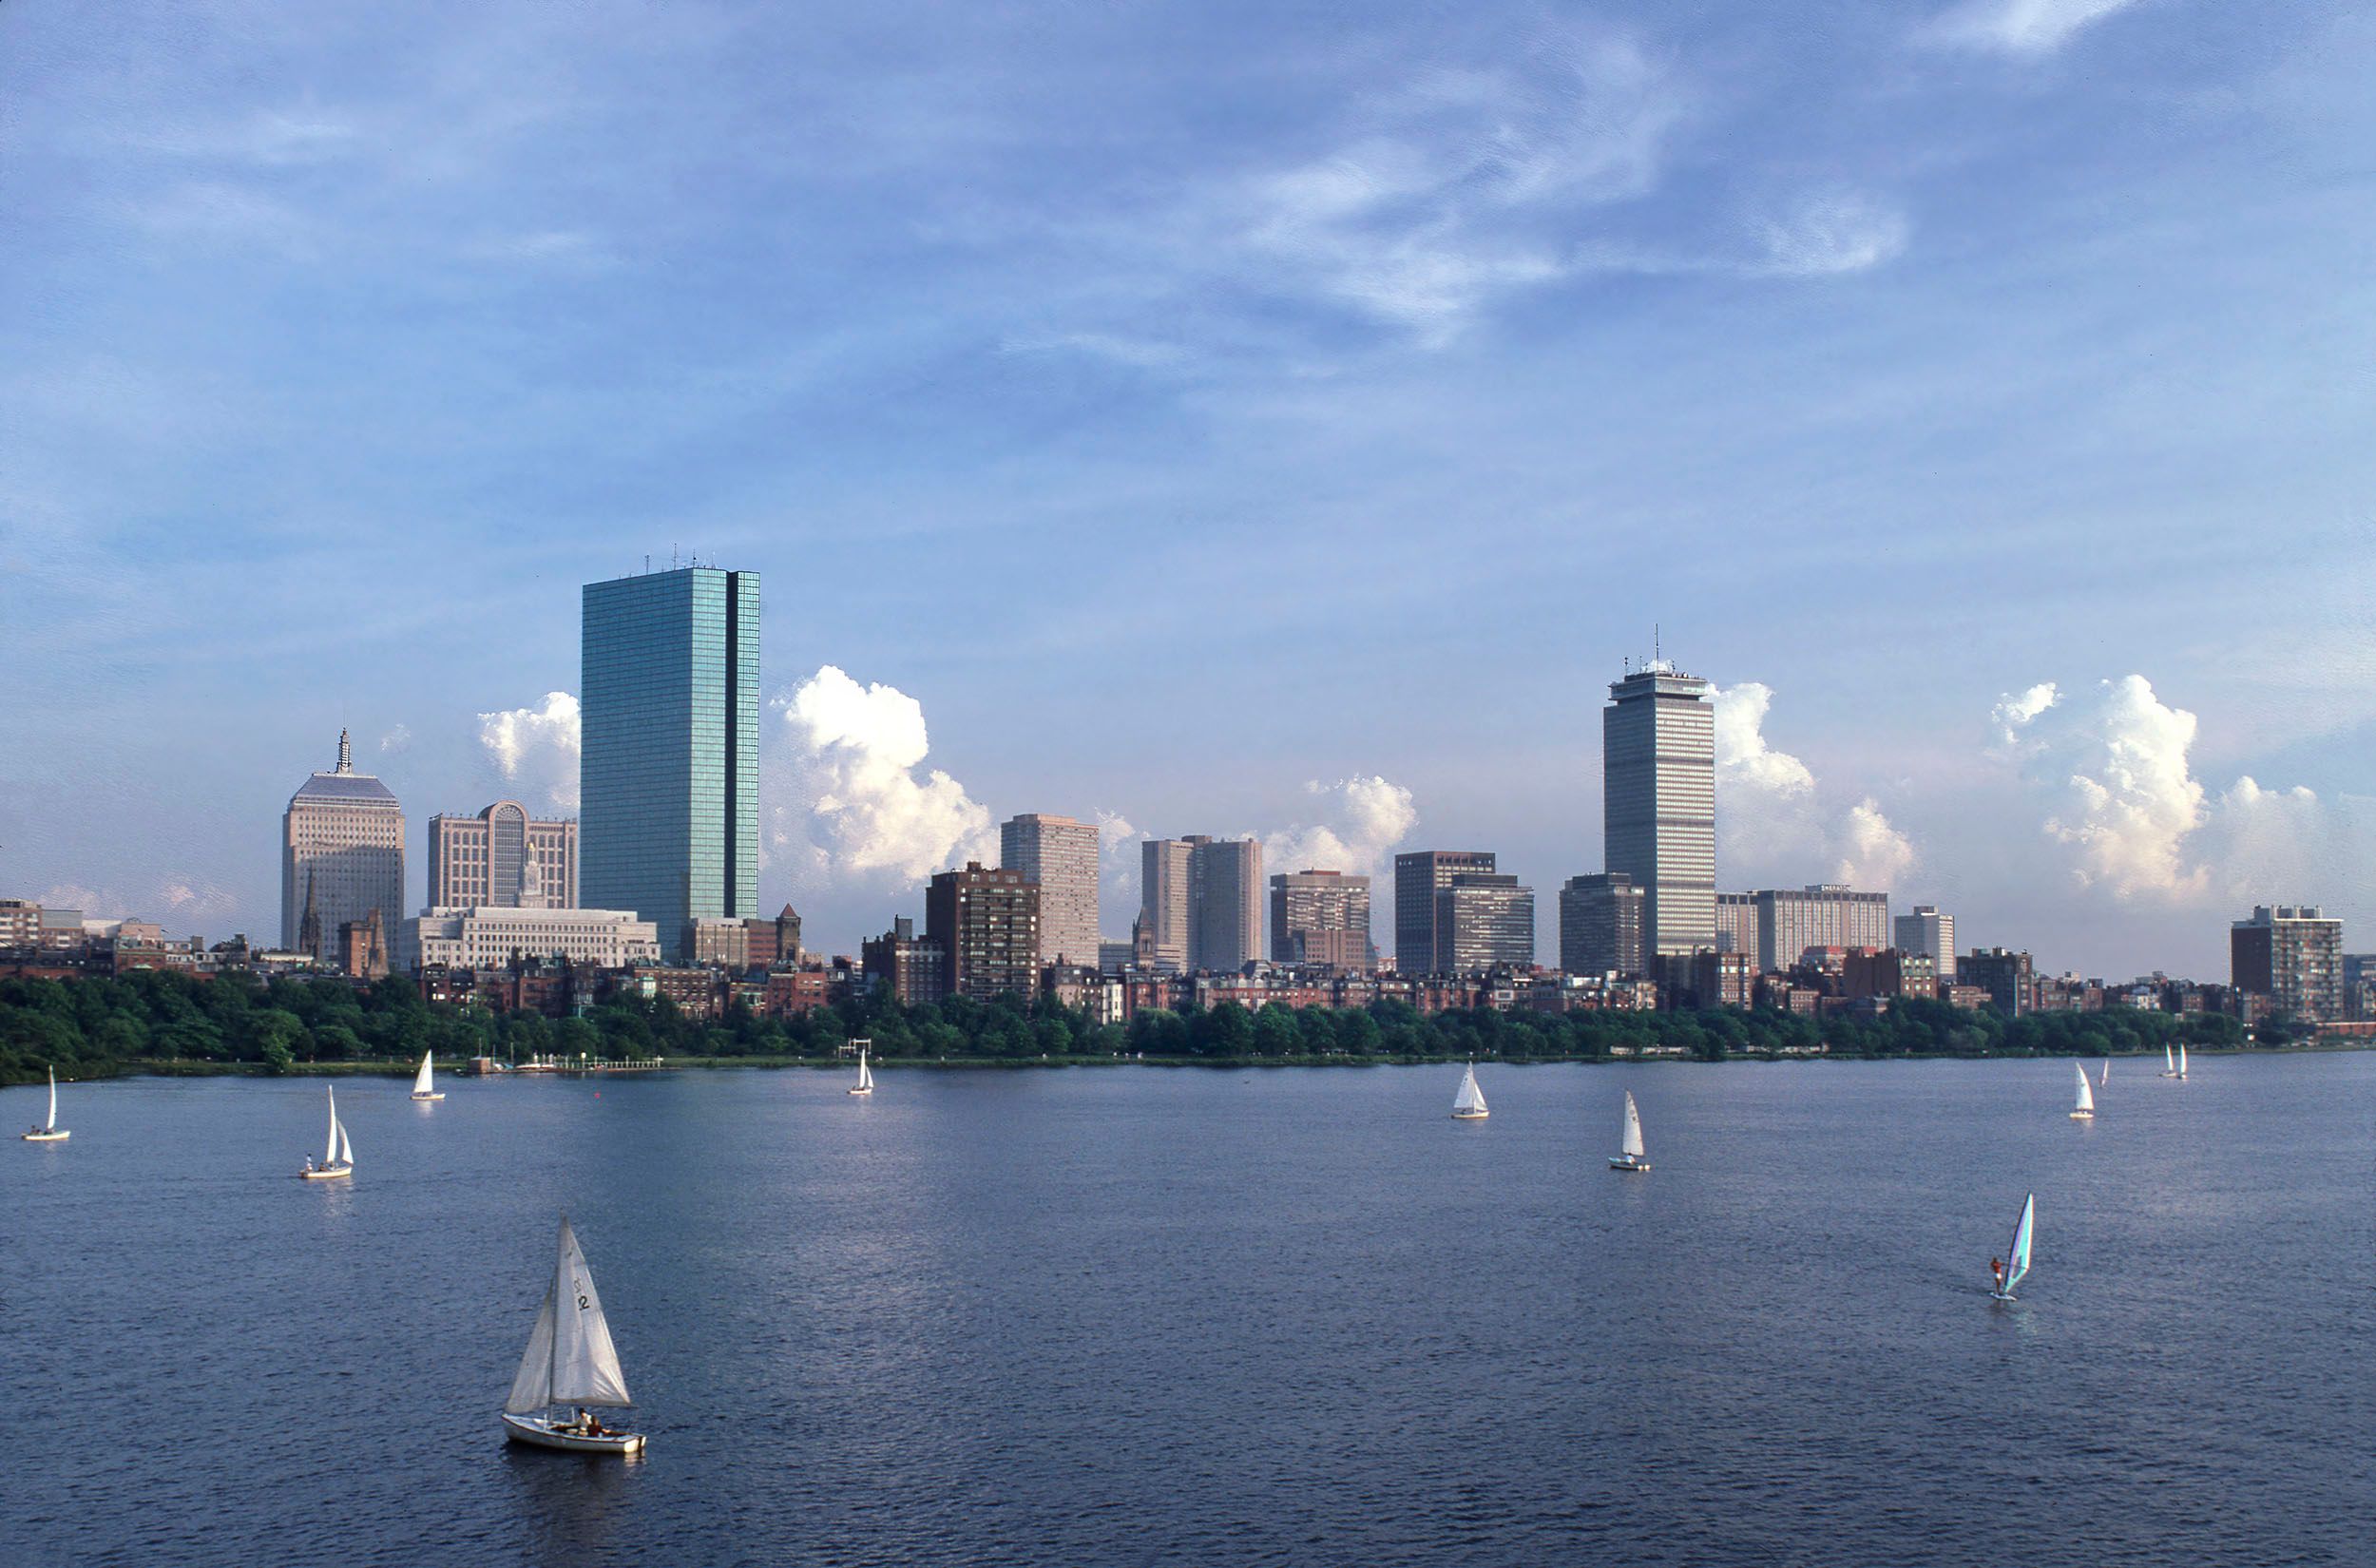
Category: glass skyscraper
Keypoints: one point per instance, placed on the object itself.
(1658, 804)
(669, 774)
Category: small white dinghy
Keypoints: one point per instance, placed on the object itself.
(2170, 1067)
(338, 1156)
(1633, 1158)
(50, 1132)
(2181, 1061)
(2085, 1109)
(425, 1082)
(570, 1362)
(2015, 1264)
(866, 1075)
(1469, 1105)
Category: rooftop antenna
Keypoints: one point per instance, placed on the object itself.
(647, 563)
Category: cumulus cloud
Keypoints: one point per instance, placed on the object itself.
(849, 797)
(194, 898)
(1118, 870)
(1772, 823)
(538, 746)
(2112, 768)
(2018, 27)
(1358, 823)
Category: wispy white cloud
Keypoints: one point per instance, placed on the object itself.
(2018, 27)
(1829, 235)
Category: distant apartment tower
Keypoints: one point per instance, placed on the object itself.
(1600, 926)
(1791, 920)
(1658, 804)
(502, 858)
(1321, 917)
(2293, 954)
(912, 968)
(2359, 987)
(985, 922)
(341, 859)
(1225, 890)
(1738, 929)
(1485, 920)
(669, 768)
(2007, 977)
(1060, 854)
(1419, 944)
(1932, 934)
(1165, 913)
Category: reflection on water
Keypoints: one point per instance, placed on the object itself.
(1294, 1317)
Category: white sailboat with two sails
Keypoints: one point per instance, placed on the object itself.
(571, 1366)
(338, 1154)
(2085, 1109)
(425, 1082)
(866, 1074)
(1469, 1103)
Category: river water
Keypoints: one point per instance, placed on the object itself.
(1145, 1316)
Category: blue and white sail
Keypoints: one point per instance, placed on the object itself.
(2017, 1259)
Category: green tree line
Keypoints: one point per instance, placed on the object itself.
(96, 1027)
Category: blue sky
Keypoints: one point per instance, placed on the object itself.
(1220, 418)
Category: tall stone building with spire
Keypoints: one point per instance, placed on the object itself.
(341, 859)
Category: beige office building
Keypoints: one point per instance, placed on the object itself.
(502, 858)
(489, 938)
(1060, 854)
(341, 858)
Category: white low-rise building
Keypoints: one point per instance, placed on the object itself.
(487, 936)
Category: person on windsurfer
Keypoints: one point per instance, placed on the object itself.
(1996, 1271)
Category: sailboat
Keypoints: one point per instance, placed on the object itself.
(338, 1156)
(2181, 1061)
(424, 1083)
(50, 1132)
(1633, 1158)
(866, 1076)
(2168, 1062)
(2106, 1077)
(1468, 1105)
(2016, 1260)
(570, 1362)
(2085, 1109)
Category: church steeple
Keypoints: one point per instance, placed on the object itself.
(346, 753)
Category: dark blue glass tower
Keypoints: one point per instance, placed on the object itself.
(668, 781)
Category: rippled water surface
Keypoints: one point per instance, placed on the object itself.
(1146, 1316)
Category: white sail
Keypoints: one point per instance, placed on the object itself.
(2086, 1096)
(330, 1152)
(866, 1074)
(585, 1366)
(346, 1148)
(52, 1125)
(2169, 1063)
(2106, 1077)
(1633, 1127)
(1471, 1101)
(532, 1389)
(2182, 1059)
(2016, 1260)
(421, 1080)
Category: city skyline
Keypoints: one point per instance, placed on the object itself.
(1918, 436)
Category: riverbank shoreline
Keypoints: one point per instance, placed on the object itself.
(405, 1069)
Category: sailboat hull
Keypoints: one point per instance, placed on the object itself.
(46, 1137)
(331, 1175)
(541, 1433)
(858, 1091)
(435, 1093)
(2082, 1116)
(1628, 1162)
(1471, 1116)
